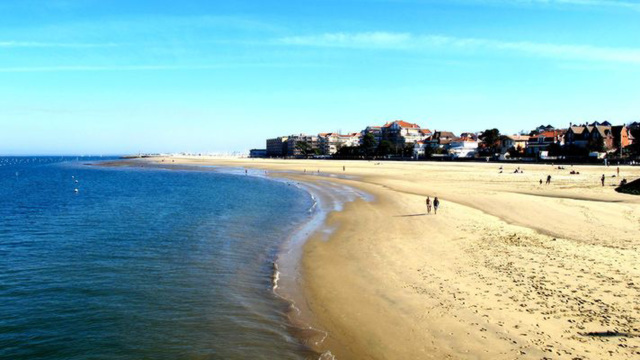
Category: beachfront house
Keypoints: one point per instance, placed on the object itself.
(517, 142)
(442, 139)
(400, 133)
(622, 137)
(543, 140)
(463, 147)
(331, 143)
(588, 136)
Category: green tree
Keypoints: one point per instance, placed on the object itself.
(368, 145)
(491, 139)
(408, 150)
(385, 148)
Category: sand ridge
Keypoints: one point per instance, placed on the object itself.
(508, 268)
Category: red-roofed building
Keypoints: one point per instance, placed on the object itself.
(542, 141)
(400, 133)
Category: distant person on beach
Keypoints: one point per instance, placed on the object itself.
(344, 168)
(618, 171)
(436, 204)
(540, 181)
(602, 179)
(428, 205)
(548, 179)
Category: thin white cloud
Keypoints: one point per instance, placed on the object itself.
(410, 42)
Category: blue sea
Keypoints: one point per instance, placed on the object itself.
(142, 263)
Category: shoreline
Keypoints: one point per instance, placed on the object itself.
(286, 277)
(508, 269)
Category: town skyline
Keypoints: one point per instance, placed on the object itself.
(401, 139)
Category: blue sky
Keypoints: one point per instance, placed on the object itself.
(113, 77)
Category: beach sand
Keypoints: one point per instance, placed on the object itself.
(508, 269)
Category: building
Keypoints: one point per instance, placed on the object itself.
(293, 142)
(542, 128)
(258, 153)
(542, 141)
(277, 147)
(420, 149)
(584, 135)
(330, 143)
(622, 137)
(517, 142)
(463, 147)
(400, 133)
(577, 136)
(442, 139)
(376, 131)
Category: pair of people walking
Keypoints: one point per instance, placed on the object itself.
(435, 203)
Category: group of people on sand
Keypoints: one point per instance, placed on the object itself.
(435, 203)
(516, 171)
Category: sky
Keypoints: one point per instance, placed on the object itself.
(120, 76)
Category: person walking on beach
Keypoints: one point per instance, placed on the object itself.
(602, 179)
(618, 171)
(548, 179)
(428, 205)
(436, 204)
(344, 168)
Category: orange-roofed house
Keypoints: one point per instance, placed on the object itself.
(400, 133)
(541, 141)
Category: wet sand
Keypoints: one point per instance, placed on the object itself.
(508, 268)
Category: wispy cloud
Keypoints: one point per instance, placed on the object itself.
(35, 44)
(411, 42)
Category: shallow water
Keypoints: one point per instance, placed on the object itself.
(142, 263)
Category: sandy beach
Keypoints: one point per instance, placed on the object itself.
(507, 269)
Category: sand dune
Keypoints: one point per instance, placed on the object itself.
(508, 268)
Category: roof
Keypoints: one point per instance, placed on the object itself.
(578, 129)
(402, 123)
(518, 137)
(445, 134)
(603, 130)
(425, 131)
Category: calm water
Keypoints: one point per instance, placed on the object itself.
(141, 263)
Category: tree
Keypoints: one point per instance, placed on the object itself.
(368, 145)
(305, 148)
(349, 151)
(408, 150)
(513, 153)
(491, 139)
(385, 148)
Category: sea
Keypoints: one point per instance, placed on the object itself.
(143, 263)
